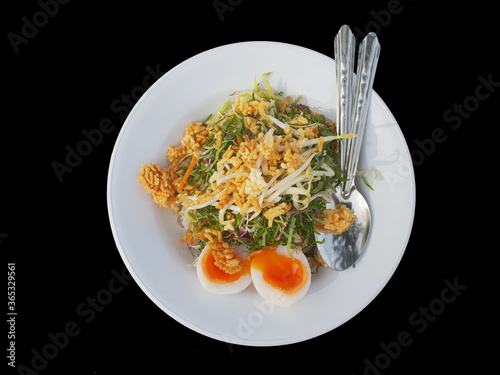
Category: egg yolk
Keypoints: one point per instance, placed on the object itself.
(281, 272)
(216, 275)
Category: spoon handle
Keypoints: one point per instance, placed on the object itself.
(369, 52)
(344, 50)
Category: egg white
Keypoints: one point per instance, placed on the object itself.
(275, 296)
(226, 288)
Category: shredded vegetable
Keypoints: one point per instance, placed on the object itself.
(186, 175)
(257, 172)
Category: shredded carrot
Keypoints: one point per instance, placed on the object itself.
(186, 175)
(238, 139)
(188, 235)
(201, 236)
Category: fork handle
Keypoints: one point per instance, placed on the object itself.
(369, 52)
(344, 51)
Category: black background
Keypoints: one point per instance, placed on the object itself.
(87, 54)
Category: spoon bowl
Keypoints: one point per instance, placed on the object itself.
(340, 251)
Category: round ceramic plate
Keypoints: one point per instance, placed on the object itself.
(147, 236)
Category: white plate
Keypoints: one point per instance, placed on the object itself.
(147, 235)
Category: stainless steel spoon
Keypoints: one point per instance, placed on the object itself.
(340, 251)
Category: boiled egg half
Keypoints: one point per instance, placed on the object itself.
(279, 277)
(216, 280)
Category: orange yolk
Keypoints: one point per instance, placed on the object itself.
(218, 276)
(281, 272)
